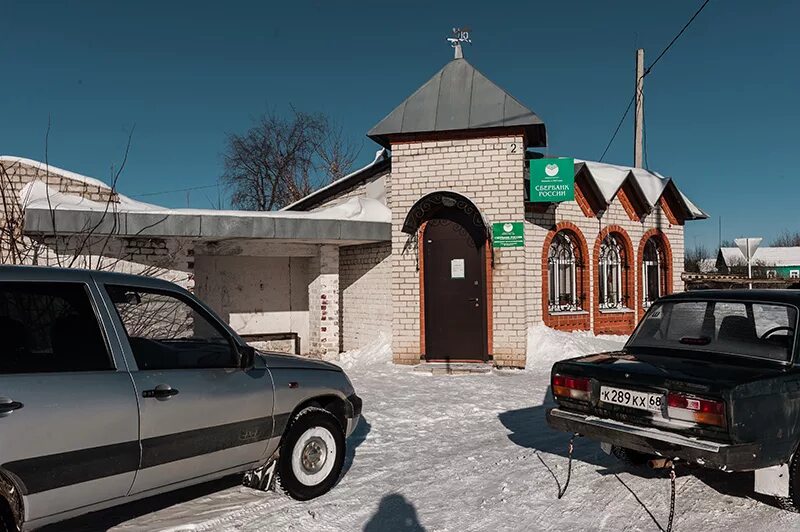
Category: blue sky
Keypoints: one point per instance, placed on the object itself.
(721, 106)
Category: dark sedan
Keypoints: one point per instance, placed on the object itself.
(711, 378)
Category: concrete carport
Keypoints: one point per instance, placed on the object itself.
(270, 275)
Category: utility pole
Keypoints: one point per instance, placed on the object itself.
(638, 120)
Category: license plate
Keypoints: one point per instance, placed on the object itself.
(632, 398)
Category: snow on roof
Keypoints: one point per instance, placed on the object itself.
(696, 211)
(380, 156)
(610, 177)
(607, 177)
(708, 265)
(37, 195)
(767, 256)
(13, 159)
(651, 184)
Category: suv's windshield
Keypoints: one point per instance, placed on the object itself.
(764, 330)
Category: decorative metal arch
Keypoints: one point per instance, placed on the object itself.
(435, 205)
(432, 205)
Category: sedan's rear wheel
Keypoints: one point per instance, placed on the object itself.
(792, 502)
(312, 454)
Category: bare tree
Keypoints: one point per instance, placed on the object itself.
(787, 239)
(284, 158)
(337, 153)
(695, 258)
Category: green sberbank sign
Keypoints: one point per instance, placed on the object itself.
(508, 235)
(552, 180)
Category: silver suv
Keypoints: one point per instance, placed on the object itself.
(117, 387)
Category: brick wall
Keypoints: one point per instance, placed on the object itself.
(171, 259)
(18, 173)
(489, 171)
(618, 216)
(323, 302)
(365, 308)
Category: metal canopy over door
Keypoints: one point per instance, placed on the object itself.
(454, 263)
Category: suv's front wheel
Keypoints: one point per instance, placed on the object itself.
(312, 454)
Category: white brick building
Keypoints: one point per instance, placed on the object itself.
(460, 150)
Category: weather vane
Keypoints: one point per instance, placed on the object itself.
(460, 35)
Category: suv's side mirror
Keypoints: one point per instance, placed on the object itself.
(247, 356)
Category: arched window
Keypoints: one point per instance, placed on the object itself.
(612, 264)
(564, 262)
(651, 272)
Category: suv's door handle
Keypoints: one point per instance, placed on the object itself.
(7, 405)
(160, 392)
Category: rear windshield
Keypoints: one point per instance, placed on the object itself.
(763, 330)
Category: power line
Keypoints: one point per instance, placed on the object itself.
(646, 72)
(621, 120)
(189, 189)
(664, 51)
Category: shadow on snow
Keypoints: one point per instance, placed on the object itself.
(105, 519)
(528, 428)
(394, 514)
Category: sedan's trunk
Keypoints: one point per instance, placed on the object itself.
(633, 386)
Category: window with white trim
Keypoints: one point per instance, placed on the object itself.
(612, 263)
(794, 274)
(564, 264)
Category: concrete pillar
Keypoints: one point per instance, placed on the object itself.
(323, 302)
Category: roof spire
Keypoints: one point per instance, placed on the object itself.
(459, 35)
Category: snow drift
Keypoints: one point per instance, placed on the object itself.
(546, 345)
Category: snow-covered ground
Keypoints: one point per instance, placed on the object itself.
(455, 453)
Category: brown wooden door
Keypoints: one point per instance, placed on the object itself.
(455, 291)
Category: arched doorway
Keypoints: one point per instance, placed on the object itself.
(452, 240)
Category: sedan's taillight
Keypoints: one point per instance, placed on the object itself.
(690, 408)
(579, 388)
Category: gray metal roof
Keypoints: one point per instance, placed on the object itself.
(207, 225)
(458, 98)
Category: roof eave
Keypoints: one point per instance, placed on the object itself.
(381, 163)
(206, 226)
(535, 134)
